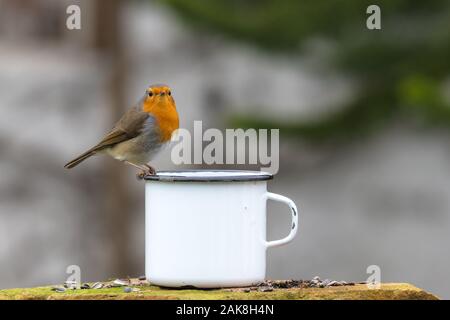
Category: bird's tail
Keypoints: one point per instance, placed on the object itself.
(79, 159)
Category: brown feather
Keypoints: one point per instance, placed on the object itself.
(79, 159)
(129, 126)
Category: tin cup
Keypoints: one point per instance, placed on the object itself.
(207, 229)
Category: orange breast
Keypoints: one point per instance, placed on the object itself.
(166, 115)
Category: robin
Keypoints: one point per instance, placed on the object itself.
(141, 132)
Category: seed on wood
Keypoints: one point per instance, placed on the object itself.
(265, 289)
(120, 282)
(97, 285)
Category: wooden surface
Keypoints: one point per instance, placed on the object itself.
(390, 291)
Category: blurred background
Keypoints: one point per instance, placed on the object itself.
(364, 118)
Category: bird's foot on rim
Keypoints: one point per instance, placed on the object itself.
(150, 171)
(141, 175)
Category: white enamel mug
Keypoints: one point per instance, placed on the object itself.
(207, 229)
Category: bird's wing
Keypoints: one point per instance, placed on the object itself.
(129, 126)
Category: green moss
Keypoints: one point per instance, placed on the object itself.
(387, 291)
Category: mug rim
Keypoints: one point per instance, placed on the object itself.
(209, 176)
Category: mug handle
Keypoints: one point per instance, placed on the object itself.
(294, 215)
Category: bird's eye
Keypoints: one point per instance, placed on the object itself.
(150, 94)
(169, 93)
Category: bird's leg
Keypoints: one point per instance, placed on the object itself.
(147, 171)
(141, 174)
(136, 166)
(151, 170)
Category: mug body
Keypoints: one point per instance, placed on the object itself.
(205, 233)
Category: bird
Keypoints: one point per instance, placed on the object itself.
(141, 132)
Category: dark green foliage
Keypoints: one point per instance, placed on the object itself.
(401, 68)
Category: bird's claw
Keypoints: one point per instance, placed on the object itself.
(149, 172)
(140, 175)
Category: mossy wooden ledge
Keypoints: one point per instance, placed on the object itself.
(388, 291)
